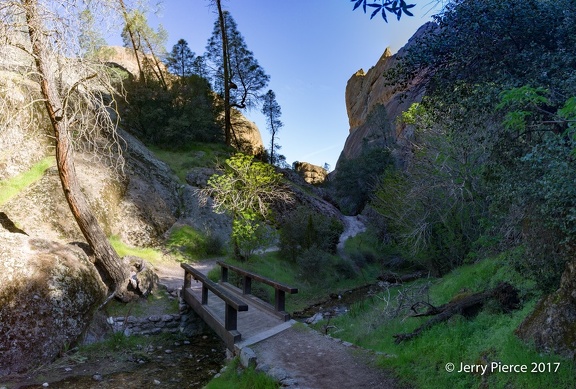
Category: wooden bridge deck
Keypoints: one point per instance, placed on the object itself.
(250, 323)
(257, 323)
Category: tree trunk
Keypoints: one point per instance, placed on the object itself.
(106, 257)
(132, 40)
(226, 70)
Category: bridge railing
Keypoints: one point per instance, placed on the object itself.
(280, 289)
(233, 303)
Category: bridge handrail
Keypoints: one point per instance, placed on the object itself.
(280, 289)
(208, 284)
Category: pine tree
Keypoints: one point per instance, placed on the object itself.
(271, 110)
(237, 76)
(181, 60)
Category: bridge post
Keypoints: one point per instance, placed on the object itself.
(280, 300)
(230, 318)
(247, 285)
(224, 274)
(187, 280)
(204, 294)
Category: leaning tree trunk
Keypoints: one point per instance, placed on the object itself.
(107, 259)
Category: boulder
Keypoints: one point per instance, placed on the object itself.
(48, 292)
(312, 174)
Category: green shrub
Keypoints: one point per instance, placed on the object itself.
(356, 179)
(313, 264)
(303, 229)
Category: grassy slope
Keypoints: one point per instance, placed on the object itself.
(487, 337)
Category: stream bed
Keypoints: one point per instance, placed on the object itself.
(155, 363)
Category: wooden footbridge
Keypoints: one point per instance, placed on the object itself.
(237, 316)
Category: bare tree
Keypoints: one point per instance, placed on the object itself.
(78, 96)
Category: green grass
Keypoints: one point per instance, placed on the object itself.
(487, 337)
(193, 244)
(239, 378)
(197, 155)
(157, 302)
(11, 187)
(149, 254)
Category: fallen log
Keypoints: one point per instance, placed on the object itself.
(505, 294)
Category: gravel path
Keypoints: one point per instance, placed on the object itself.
(302, 358)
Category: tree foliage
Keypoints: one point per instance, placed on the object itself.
(272, 112)
(494, 134)
(384, 7)
(181, 60)
(236, 74)
(357, 178)
(173, 117)
(245, 190)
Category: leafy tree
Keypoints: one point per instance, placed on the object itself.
(237, 74)
(303, 229)
(357, 178)
(484, 53)
(147, 44)
(271, 110)
(383, 7)
(245, 190)
(172, 118)
(181, 60)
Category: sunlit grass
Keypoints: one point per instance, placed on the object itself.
(197, 155)
(11, 187)
(151, 255)
(485, 338)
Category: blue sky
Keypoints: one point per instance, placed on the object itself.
(310, 48)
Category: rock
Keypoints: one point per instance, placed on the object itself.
(198, 177)
(35, 330)
(315, 319)
(373, 105)
(248, 357)
(552, 324)
(312, 174)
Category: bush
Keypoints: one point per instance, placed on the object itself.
(303, 229)
(313, 264)
(356, 179)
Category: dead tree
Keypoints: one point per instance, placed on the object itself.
(56, 101)
(505, 294)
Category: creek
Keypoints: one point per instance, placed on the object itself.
(161, 363)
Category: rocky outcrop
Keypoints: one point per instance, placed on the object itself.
(247, 134)
(552, 325)
(138, 204)
(373, 103)
(312, 174)
(47, 293)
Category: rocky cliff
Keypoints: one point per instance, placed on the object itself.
(373, 103)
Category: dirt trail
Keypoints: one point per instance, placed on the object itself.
(303, 358)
